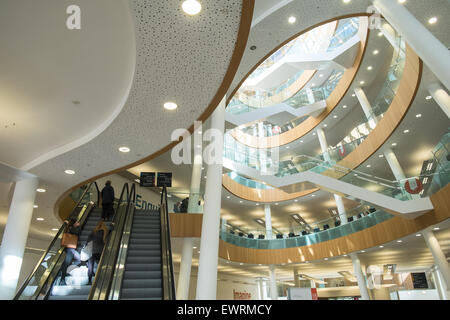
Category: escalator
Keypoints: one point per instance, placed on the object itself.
(136, 262)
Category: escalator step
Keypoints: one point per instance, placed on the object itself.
(143, 253)
(144, 247)
(153, 241)
(142, 274)
(141, 283)
(71, 297)
(144, 236)
(143, 260)
(132, 267)
(132, 293)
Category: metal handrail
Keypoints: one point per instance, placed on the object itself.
(102, 282)
(168, 282)
(61, 230)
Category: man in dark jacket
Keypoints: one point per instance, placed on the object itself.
(107, 201)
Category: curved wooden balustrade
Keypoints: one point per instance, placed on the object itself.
(379, 234)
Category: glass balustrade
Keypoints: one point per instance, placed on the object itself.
(367, 220)
(346, 29)
(248, 182)
(185, 202)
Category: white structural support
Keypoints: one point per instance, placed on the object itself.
(396, 169)
(15, 235)
(434, 54)
(209, 242)
(273, 283)
(268, 218)
(441, 97)
(438, 282)
(365, 104)
(438, 255)
(360, 277)
(389, 33)
(185, 269)
(341, 209)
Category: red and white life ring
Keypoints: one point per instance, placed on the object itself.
(341, 150)
(416, 190)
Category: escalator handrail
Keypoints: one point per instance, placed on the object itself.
(61, 230)
(130, 198)
(168, 282)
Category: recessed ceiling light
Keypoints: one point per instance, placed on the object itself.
(40, 190)
(369, 68)
(295, 200)
(432, 20)
(325, 125)
(321, 75)
(363, 251)
(313, 195)
(381, 156)
(380, 34)
(381, 246)
(40, 219)
(205, 177)
(191, 7)
(428, 97)
(240, 201)
(55, 229)
(35, 206)
(418, 115)
(335, 117)
(228, 197)
(394, 144)
(287, 147)
(437, 228)
(362, 82)
(325, 259)
(292, 19)
(399, 241)
(124, 149)
(368, 166)
(137, 180)
(257, 204)
(170, 106)
(353, 95)
(375, 52)
(406, 131)
(194, 247)
(418, 235)
(401, 1)
(346, 1)
(69, 172)
(344, 106)
(301, 141)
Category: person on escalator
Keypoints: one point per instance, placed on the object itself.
(107, 201)
(98, 237)
(73, 230)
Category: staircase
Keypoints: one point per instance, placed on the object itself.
(142, 276)
(77, 287)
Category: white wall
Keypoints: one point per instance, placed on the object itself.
(418, 294)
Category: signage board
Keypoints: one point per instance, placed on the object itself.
(147, 179)
(419, 280)
(302, 294)
(164, 179)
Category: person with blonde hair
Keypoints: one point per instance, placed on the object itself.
(98, 237)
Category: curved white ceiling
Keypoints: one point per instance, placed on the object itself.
(60, 88)
(179, 58)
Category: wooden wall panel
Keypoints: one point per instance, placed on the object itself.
(185, 225)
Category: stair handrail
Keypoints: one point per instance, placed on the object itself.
(72, 214)
(168, 282)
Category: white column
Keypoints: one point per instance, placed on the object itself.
(444, 290)
(438, 255)
(15, 236)
(268, 219)
(296, 279)
(209, 242)
(441, 97)
(440, 287)
(323, 144)
(394, 165)
(365, 104)
(341, 209)
(389, 34)
(259, 281)
(360, 276)
(273, 283)
(434, 54)
(185, 269)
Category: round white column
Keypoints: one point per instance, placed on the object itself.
(185, 269)
(441, 97)
(15, 236)
(440, 287)
(360, 277)
(273, 283)
(438, 255)
(296, 279)
(444, 290)
(209, 242)
(365, 104)
(341, 209)
(259, 281)
(434, 54)
(394, 165)
(268, 218)
(389, 34)
(323, 144)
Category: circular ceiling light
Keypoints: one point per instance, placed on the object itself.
(369, 68)
(55, 229)
(375, 52)
(432, 20)
(346, 1)
(170, 106)
(35, 206)
(380, 34)
(401, 1)
(292, 19)
(394, 144)
(191, 7)
(428, 97)
(124, 149)
(418, 115)
(40, 219)
(69, 172)
(344, 107)
(40, 190)
(406, 131)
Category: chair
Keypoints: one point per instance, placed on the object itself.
(316, 230)
(337, 223)
(326, 227)
(261, 236)
(304, 233)
(359, 216)
(241, 234)
(232, 232)
(279, 236)
(250, 236)
(291, 234)
(350, 219)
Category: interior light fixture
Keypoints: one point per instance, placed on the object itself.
(292, 19)
(362, 82)
(368, 166)
(381, 246)
(363, 251)
(418, 235)
(401, 1)
(35, 206)
(170, 106)
(228, 197)
(399, 241)
(394, 144)
(406, 131)
(418, 115)
(375, 52)
(344, 107)
(435, 229)
(191, 7)
(381, 156)
(55, 229)
(40, 219)
(380, 34)
(40, 190)
(428, 97)
(432, 20)
(353, 95)
(240, 201)
(369, 68)
(335, 117)
(137, 180)
(325, 125)
(346, 1)
(69, 172)
(124, 149)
